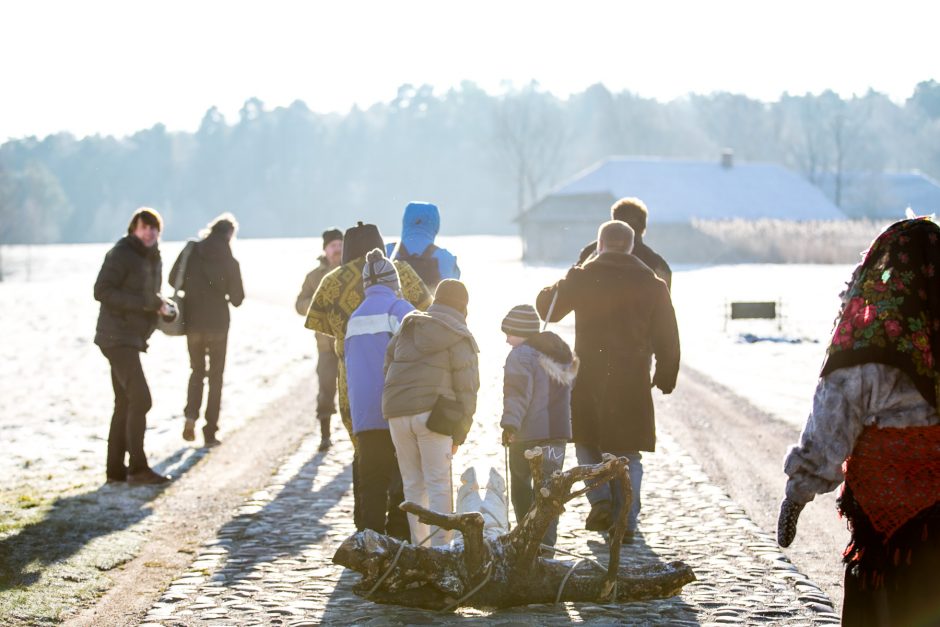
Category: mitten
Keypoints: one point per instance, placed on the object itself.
(786, 522)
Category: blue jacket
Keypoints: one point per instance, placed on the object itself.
(370, 328)
(537, 385)
(420, 226)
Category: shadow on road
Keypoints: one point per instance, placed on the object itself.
(75, 521)
(288, 525)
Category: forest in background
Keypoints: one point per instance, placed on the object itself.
(289, 171)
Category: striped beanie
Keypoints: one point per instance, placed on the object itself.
(521, 321)
(379, 271)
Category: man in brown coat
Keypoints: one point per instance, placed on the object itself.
(327, 361)
(623, 317)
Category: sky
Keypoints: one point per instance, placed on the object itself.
(113, 67)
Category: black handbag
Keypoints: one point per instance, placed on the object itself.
(447, 418)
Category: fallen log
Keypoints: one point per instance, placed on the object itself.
(507, 571)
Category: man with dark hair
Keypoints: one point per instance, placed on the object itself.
(327, 362)
(212, 282)
(128, 288)
(623, 317)
(633, 211)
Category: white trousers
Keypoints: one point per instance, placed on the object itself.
(424, 460)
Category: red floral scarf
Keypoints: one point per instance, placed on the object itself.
(891, 308)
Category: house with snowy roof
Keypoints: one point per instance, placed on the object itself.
(883, 195)
(678, 192)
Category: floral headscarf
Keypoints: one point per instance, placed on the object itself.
(891, 308)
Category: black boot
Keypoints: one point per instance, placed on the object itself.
(325, 442)
(600, 517)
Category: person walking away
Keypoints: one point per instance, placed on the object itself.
(128, 288)
(433, 356)
(370, 328)
(420, 226)
(213, 281)
(327, 361)
(339, 294)
(875, 426)
(623, 318)
(634, 212)
(537, 379)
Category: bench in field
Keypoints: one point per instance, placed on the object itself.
(754, 310)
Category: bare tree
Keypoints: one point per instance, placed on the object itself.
(530, 136)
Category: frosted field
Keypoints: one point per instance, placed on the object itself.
(55, 392)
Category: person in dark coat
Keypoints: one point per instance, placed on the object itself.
(212, 282)
(327, 361)
(634, 212)
(623, 317)
(128, 288)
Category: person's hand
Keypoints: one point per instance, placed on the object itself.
(453, 449)
(154, 302)
(509, 436)
(662, 388)
(786, 522)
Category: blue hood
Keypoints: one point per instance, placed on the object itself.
(419, 227)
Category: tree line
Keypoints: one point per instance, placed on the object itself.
(289, 171)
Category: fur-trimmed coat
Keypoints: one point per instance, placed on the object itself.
(537, 382)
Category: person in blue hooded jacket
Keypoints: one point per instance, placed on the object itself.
(370, 328)
(420, 226)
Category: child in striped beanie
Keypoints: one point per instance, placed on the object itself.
(539, 374)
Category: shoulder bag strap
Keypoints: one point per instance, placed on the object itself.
(184, 261)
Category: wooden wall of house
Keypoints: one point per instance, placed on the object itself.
(554, 242)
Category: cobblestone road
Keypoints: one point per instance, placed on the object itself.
(271, 564)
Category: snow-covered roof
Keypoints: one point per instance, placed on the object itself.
(678, 190)
(885, 195)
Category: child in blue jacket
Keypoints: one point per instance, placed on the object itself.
(539, 374)
(370, 328)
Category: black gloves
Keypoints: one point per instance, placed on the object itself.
(786, 522)
(508, 436)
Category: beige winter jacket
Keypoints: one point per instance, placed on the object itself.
(309, 288)
(433, 354)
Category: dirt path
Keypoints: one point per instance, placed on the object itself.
(741, 449)
(193, 508)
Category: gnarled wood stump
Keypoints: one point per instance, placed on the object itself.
(506, 571)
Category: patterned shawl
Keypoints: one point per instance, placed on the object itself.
(891, 308)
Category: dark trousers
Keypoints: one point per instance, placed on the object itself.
(380, 486)
(327, 371)
(203, 347)
(610, 491)
(523, 493)
(129, 421)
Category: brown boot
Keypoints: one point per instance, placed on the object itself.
(325, 442)
(189, 430)
(147, 477)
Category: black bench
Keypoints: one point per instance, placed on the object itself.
(754, 310)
